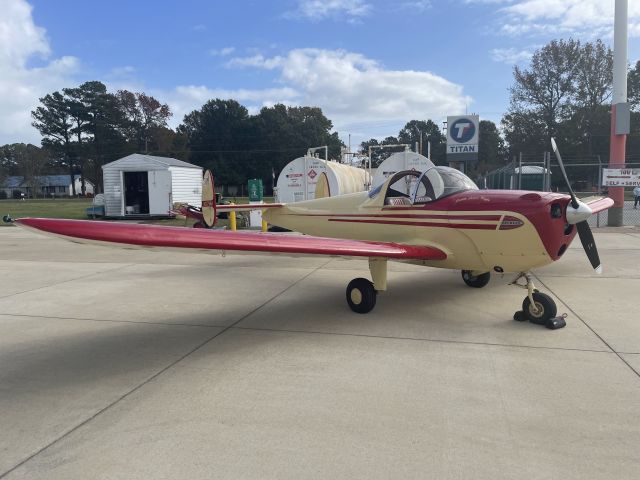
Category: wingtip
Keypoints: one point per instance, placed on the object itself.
(598, 269)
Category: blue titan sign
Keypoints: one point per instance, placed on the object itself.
(462, 130)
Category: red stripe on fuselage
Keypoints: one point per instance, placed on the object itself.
(490, 218)
(471, 226)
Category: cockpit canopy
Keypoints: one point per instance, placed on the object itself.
(411, 187)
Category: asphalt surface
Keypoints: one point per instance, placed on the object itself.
(129, 364)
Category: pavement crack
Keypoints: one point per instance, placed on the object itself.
(416, 339)
(584, 322)
(155, 375)
(110, 320)
(82, 277)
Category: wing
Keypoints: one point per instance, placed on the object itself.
(203, 239)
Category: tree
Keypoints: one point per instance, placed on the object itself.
(633, 86)
(143, 115)
(564, 94)
(593, 91)
(54, 122)
(215, 136)
(491, 150)
(430, 133)
(167, 142)
(104, 124)
(27, 161)
(237, 146)
(284, 133)
(544, 91)
(80, 116)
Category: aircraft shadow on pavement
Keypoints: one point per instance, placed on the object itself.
(82, 359)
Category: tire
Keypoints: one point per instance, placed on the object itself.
(199, 225)
(361, 296)
(546, 308)
(477, 281)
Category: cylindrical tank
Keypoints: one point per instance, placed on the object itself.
(298, 179)
(398, 162)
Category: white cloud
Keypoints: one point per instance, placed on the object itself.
(416, 5)
(352, 89)
(323, 9)
(186, 98)
(258, 61)
(222, 52)
(20, 85)
(510, 56)
(590, 18)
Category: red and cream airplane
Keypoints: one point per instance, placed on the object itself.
(436, 218)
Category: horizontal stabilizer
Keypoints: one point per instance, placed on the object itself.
(248, 206)
(597, 204)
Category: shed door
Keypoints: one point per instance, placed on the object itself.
(160, 202)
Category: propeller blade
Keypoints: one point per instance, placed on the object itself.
(574, 200)
(589, 245)
(584, 231)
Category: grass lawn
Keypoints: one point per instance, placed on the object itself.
(58, 208)
(74, 208)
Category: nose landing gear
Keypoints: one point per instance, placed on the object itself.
(537, 307)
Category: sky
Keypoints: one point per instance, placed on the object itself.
(371, 65)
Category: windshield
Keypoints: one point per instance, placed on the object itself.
(439, 182)
(412, 187)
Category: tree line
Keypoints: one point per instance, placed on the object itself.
(565, 92)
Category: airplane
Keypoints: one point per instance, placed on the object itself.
(435, 218)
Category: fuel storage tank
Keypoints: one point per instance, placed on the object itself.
(298, 179)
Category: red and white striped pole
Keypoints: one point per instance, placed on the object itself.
(619, 109)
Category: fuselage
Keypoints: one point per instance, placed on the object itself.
(480, 230)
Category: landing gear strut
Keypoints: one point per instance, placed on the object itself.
(537, 307)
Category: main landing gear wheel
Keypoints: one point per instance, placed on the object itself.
(361, 296)
(545, 308)
(476, 281)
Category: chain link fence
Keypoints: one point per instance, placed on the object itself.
(542, 173)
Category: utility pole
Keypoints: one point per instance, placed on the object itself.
(620, 116)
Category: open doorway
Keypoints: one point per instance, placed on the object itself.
(136, 193)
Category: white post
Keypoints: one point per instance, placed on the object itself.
(618, 141)
(620, 53)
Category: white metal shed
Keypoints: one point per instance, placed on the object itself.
(149, 185)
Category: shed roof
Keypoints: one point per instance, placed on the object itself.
(168, 161)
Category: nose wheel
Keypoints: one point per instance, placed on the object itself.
(537, 307)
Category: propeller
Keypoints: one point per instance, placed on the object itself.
(578, 213)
